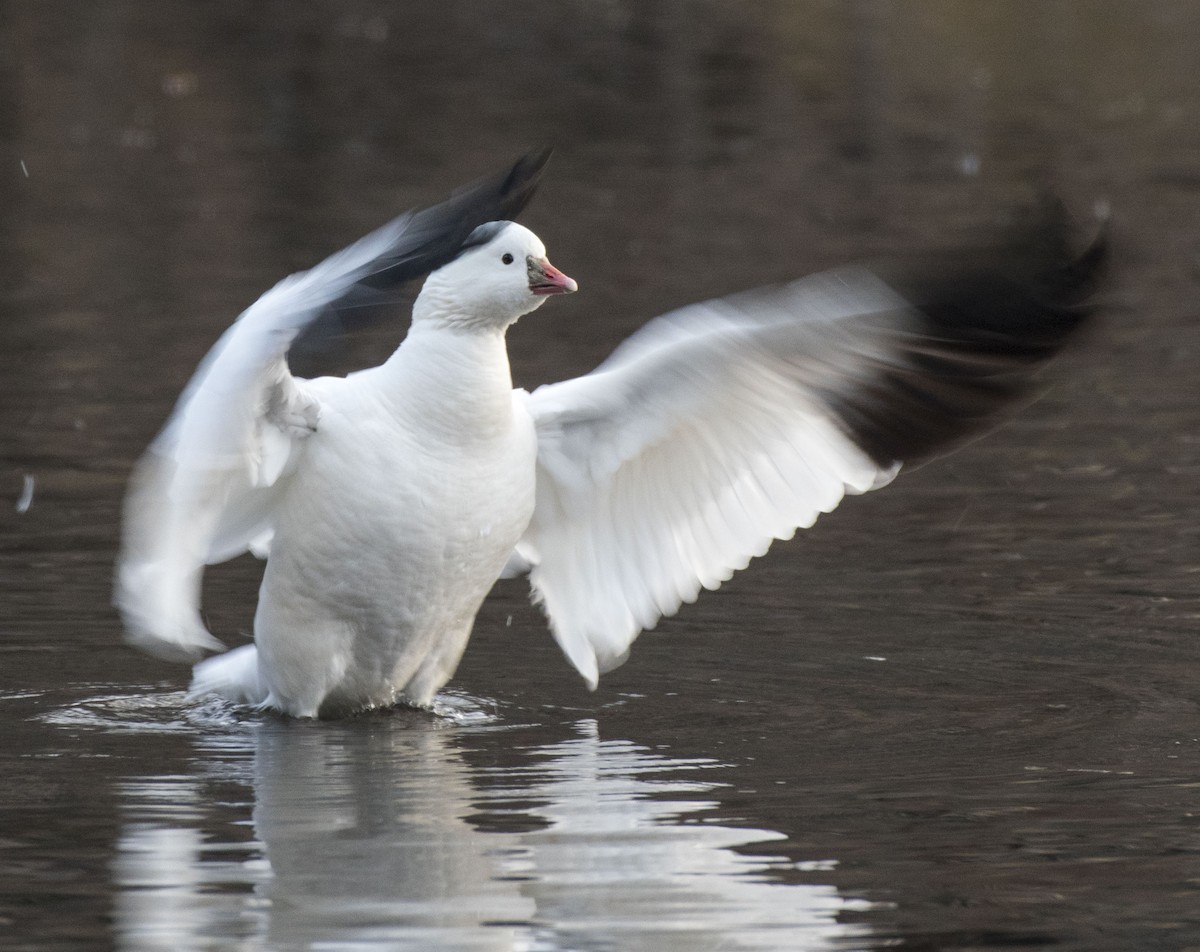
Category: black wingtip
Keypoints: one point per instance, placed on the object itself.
(526, 175)
(1078, 278)
(504, 195)
(1031, 283)
(434, 236)
(980, 325)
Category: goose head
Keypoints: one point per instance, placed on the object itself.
(501, 273)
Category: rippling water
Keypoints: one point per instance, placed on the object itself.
(958, 714)
(404, 830)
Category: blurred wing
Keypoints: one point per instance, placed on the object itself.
(725, 425)
(205, 489)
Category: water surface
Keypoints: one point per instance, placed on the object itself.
(957, 714)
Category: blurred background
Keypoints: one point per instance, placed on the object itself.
(957, 714)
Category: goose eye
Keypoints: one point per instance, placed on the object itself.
(506, 258)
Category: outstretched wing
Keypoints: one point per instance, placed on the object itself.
(204, 490)
(722, 426)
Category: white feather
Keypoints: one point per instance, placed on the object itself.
(204, 490)
(706, 436)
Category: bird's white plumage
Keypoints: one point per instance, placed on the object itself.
(702, 439)
(389, 501)
(203, 492)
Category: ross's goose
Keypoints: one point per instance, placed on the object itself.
(388, 502)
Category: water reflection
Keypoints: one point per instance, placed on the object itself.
(399, 833)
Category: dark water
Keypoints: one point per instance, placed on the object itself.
(961, 713)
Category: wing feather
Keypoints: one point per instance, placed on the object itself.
(726, 425)
(205, 489)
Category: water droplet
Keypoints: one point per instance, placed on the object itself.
(26, 499)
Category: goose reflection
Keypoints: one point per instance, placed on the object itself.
(382, 833)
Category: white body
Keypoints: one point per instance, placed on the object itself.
(369, 595)
(388, 502)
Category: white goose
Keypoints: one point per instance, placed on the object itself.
(389, 501)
